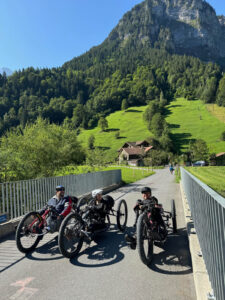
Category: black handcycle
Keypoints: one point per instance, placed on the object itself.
(150, 230)
(75, 225)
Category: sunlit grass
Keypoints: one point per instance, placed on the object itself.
(191, 120)
(129, 123)
(214, 177)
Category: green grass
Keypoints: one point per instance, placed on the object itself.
(129, 175)
(187, 120)
(130, 124)
(214, 177)
(191, 120)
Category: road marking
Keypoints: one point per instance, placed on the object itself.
(24, 292)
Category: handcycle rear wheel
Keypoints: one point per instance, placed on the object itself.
(121, 214)
(144, 241)
(28, 233)
(173, 215)
(70, 239)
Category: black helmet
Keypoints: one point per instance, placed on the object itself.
(146, 189)
(60, 188)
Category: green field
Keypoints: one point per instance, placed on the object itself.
(214, 177)
(129, 175)
(187, 120)
(191, 120)
(130, 124)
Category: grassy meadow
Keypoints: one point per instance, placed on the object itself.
(129, 123)
(193, 120)
(187, 120)
(214, 177)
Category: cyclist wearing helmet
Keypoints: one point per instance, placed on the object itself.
(62, 205)
(98, 208)
(147, 199)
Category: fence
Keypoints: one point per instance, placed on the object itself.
(208, 213)
(20, 197)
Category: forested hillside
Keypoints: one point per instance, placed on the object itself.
(159, 51)
(79, 97)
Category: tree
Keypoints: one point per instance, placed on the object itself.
(91, 141)
(117, 134)
(157, 124)
(39, 150)
(124, 104)
(103, 123)
(199, 150)
(222, 137)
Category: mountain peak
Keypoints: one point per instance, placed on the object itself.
(180, 26)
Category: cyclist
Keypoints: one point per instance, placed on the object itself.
(62, 205)
(98, 207)
(147, 199)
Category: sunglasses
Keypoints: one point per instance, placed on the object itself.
(60, 190)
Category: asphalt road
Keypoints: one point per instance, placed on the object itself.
(107, 269)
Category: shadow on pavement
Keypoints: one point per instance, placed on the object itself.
(9, 254)
(105, 251)
(49, 248)
(175, 258)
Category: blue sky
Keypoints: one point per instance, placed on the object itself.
(47, 33)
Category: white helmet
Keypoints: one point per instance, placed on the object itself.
(96, 192)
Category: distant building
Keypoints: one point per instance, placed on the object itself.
(133, 152)
(220, 159)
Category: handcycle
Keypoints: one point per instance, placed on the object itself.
(73, 228)
(150, 232)
(33, 226)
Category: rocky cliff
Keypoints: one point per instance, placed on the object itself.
(180, 26)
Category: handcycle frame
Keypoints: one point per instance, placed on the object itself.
(32, 226)
(71, 233)
(146, 234)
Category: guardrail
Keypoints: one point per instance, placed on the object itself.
(19, 197)
(208, 213)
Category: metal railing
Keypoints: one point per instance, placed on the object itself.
(19, 197)
(208, 213)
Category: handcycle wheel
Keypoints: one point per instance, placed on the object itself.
(28, 232)
(144, 241)
(70, 239)
(121, 214)
(173, 215)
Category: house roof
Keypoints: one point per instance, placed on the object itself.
(141, 142)
(133, 151)
(148, 148)
(220, 154)
(133, 144)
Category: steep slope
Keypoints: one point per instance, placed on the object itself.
(188, 27)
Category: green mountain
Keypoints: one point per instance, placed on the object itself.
(161, 49)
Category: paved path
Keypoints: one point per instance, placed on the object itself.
(107, 269)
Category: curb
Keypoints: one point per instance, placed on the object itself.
(201, 278)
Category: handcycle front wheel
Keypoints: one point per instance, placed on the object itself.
(144, 240)
(173, 215)
(121, 214)
(70, 239)
(29, 232)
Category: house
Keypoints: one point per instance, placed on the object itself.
(220, 159)
(133, 152)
